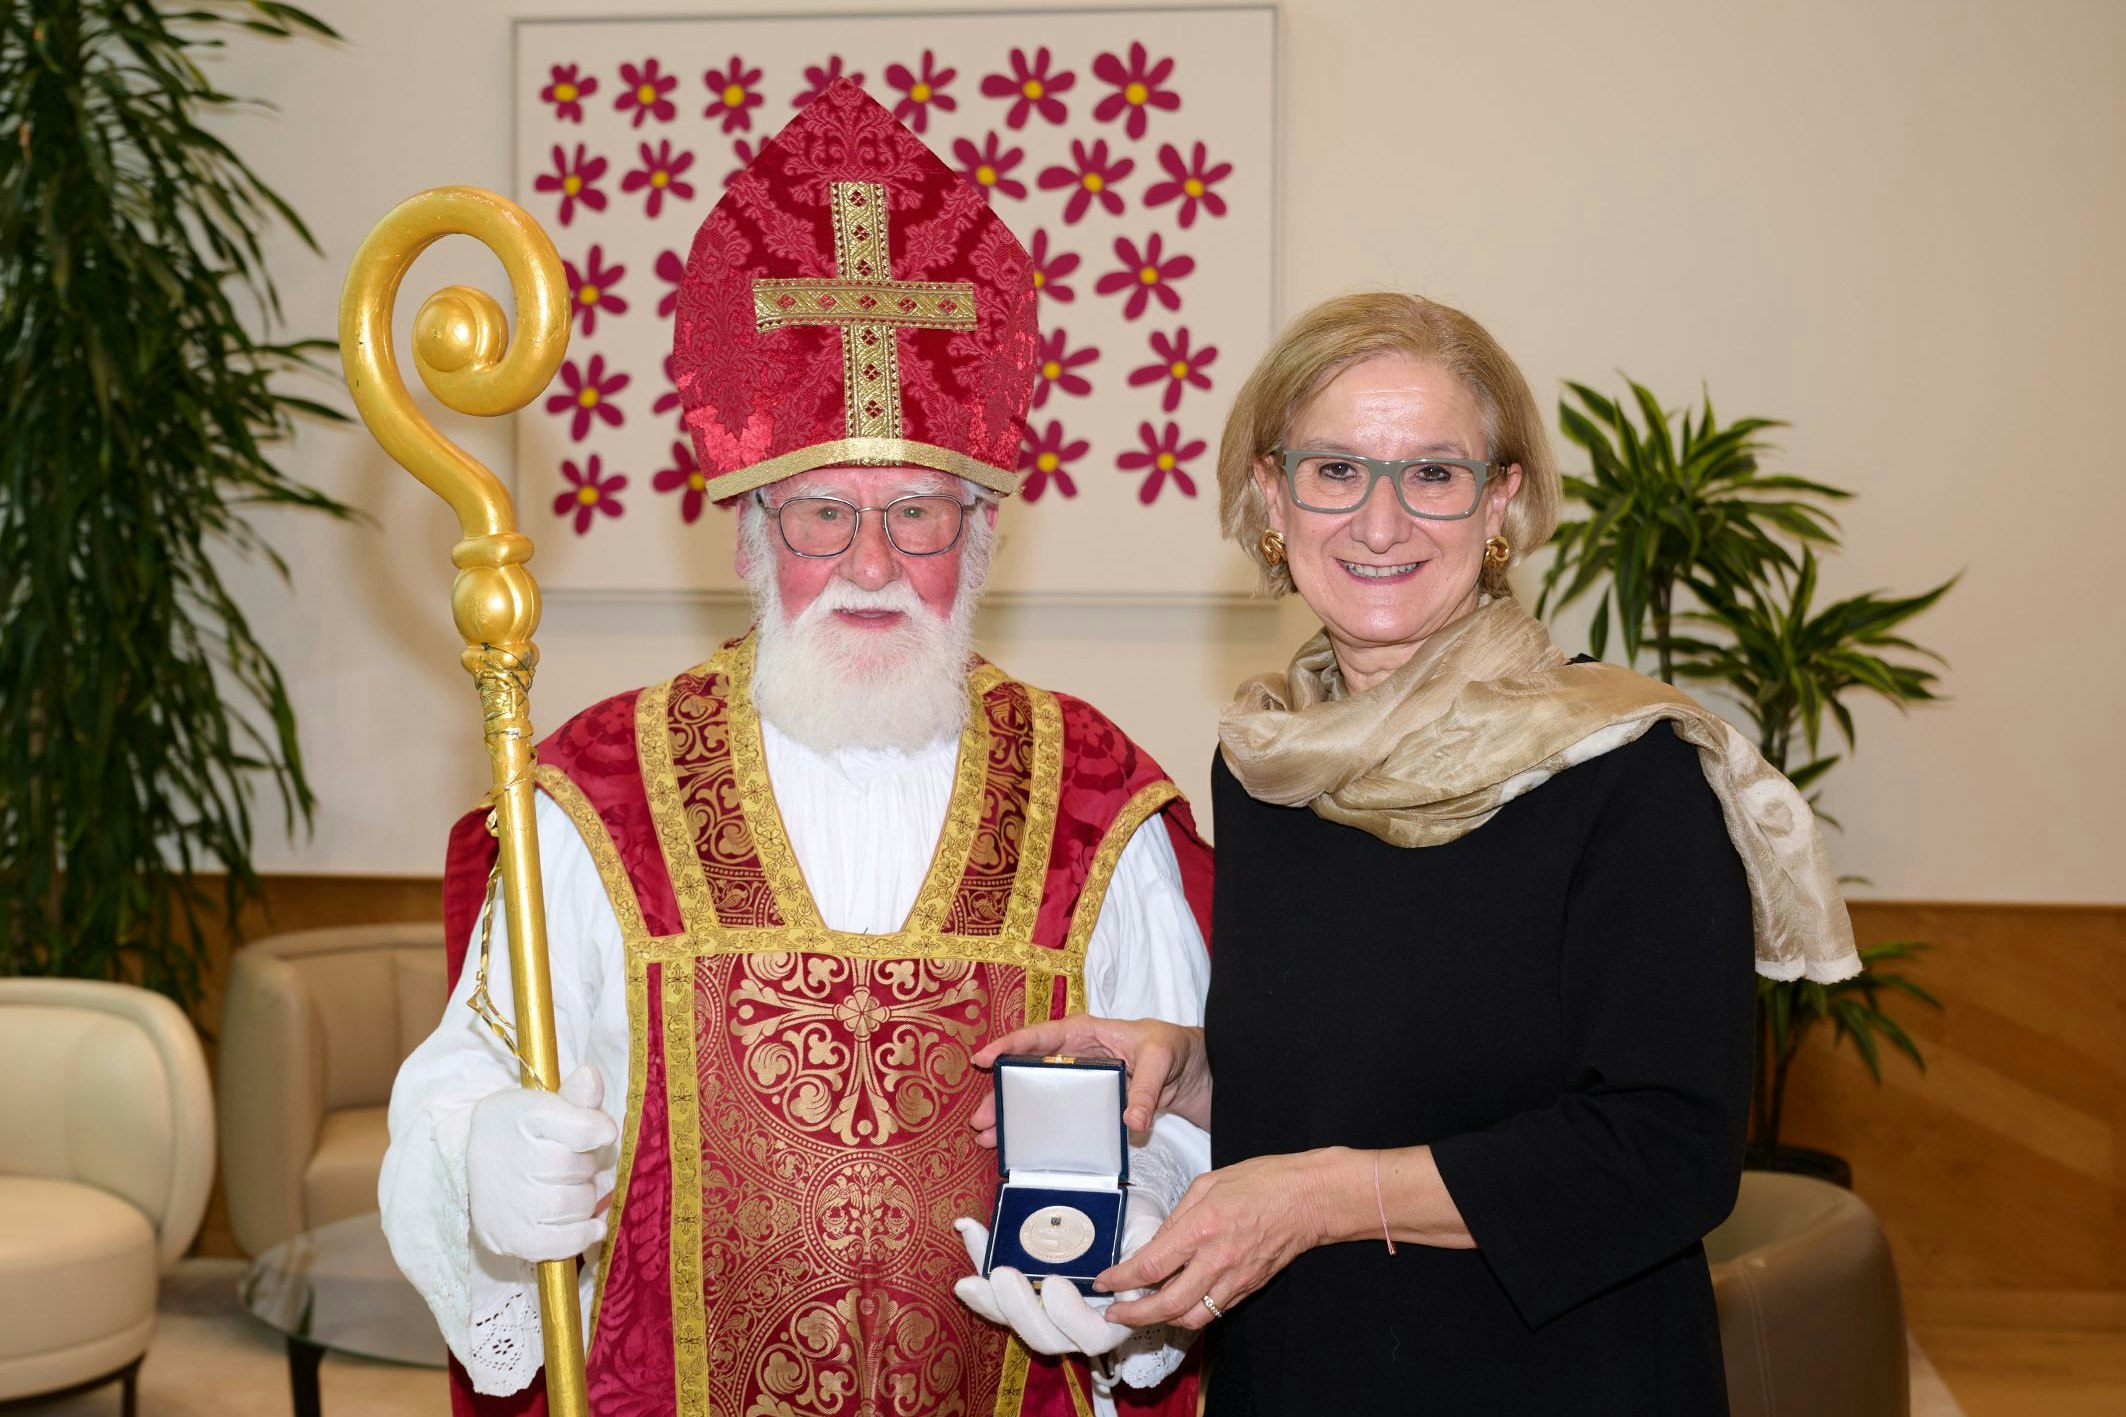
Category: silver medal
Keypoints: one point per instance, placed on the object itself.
(1056, 1234)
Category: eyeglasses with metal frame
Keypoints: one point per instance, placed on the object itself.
(921, 524)
(1435, 489)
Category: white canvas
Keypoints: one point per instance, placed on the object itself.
(1090, 528)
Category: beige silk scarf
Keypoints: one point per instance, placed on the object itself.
(1489, 708)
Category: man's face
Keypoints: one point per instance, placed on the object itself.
(872, 562)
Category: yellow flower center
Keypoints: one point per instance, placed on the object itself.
(588, 398)
(733, 95)
(986, 175)
(572, 184)
(920, 93)
(1094, 181)
(587, 495)
(660, 178)
(1039, 280)
(646, 95)
(565, 93)
(1137, 93)
(1048, 462)
(1032, 88)
(696, 481)
(588, 295)
(1149, 275)
(1166, 462)
(1193, 187)
(1178, 369)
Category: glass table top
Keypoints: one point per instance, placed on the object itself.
(338, 1288)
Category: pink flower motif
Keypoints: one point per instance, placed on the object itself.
(1136, 88)
(745, 152)
(986, 168)
(659, 175)
(589, 396)
(1048, 271)
(669, 399)
(733, 95)
(820, 78)
(1057, 362)
(919, 94)
(645, 92)
(1031, 86)
(576, 181)
(1191, 183)
(1144, 276)
(1094, 176)
(673, 270)
(1043, 460)
(1163, 455)
(591, 289)
(1178, 365)
(588, 494)
(686, 478)
(566, 92)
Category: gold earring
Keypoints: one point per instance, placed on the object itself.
(1272, 547)
(1497, 551)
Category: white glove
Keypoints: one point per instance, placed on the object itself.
(1059, 1319)
(531, 1168)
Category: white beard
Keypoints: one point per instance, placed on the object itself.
(832, 686)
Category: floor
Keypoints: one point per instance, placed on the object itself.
(210, 1359)
(1998, 1372)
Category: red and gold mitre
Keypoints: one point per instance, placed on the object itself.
(853, 300)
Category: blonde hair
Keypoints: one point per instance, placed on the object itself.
(1347, 330)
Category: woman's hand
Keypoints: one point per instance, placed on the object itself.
(1168, 1069)
(1234, 1230)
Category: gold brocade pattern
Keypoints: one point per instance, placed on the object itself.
(864, 1050)
(868, 305)
(698, 908)
(832, 1070)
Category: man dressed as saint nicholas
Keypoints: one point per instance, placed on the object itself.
(790, 890)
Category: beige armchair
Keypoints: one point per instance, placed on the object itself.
(106, 1158)
(314, 1028)
(1811, 1318)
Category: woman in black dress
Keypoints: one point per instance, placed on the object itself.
(1479, 1018)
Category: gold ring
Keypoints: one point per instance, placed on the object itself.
(1212, 1305)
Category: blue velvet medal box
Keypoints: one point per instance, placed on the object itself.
(1063, 1158)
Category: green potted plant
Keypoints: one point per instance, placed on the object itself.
(139, 710)
(1687, 508)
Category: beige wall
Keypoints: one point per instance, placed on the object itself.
(1895, 223)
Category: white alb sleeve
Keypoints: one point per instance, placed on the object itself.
(1146, 959)
(487, 1305)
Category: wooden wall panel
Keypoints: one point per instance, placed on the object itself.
(2000, 1172)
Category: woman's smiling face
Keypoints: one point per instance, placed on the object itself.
(1383, 581)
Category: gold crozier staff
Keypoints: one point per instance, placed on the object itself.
(463, 350)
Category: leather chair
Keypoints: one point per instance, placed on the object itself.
(314, 1027)
(1811, 1318)
(106, 1159)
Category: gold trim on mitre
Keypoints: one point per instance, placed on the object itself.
(862, 452)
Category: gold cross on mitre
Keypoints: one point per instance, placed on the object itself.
(864, 299)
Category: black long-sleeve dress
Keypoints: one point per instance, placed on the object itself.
(1559, 1004)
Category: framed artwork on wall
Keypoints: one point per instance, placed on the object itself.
(1132, 152)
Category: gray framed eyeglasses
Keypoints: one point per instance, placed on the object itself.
(1437, 489)
(926, 524)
